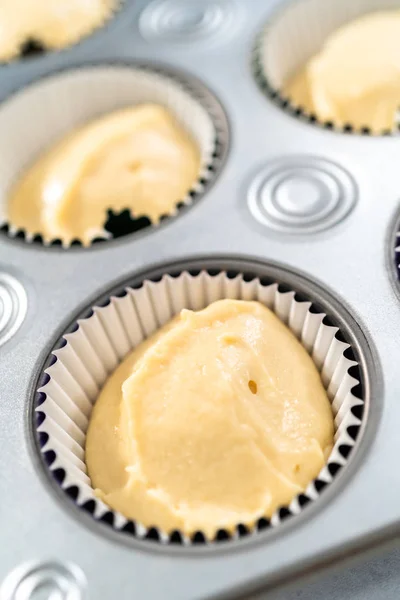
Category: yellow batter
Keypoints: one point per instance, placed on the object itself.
(54, 23)
(355, 78)
(216, 420)
(137, 158)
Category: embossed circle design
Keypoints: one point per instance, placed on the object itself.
(301, 194)
(186, 20)
(13, 306)
(44, 580)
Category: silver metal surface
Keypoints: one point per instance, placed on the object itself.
(350, 258)
(302, 194)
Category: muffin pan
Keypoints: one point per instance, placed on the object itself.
(332, 243)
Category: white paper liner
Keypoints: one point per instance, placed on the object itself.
(102, 340)
(295, 34)
(40, 115)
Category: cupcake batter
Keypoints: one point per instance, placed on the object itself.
(137, 158)
(54, 23)
(217, 419)
(355, 79)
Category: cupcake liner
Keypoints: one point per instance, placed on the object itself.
(394, 249)
(32, 46)
(36, 117)
(295, 34)
(96, 344)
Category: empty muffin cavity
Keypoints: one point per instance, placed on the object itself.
(97, 343)
(294, 35)
(66, 103)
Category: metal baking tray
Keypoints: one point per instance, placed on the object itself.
(46, 541)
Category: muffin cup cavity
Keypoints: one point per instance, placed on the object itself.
(95, 345)
(293, 35)
(42, 114)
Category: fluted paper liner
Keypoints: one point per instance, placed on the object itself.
(40, 115)
(101, 341)
(395, 248)
(294, 34)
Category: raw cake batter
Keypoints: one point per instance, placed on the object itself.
(53, 23)
(355, 79)
(137, 158)
(217, 419)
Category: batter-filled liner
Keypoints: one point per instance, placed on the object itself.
(33, 45)
(44, 113)
(296, 33)
(98, 343)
